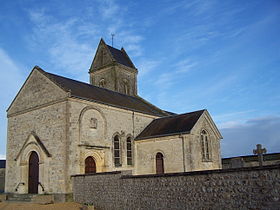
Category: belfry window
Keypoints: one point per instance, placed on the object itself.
(117, 151)
(129, 151)
(205, 146)
(125, 87)
(102, 83)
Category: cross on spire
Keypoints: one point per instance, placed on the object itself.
(259, 151)
(112, 39)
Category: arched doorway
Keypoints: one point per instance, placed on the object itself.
(159, 163)
(90, 165)
(33, 173)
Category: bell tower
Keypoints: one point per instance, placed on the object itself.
(112, 69)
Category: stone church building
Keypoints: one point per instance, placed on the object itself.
(58, 127)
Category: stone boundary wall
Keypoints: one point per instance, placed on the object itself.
(2, 180)
(243, 188)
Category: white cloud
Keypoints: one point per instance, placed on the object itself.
(241, 139)
(109, 9)
(229, 120)
(69, 43)
(165, 80)
(146, 67)
(11, 79)
(185, 65)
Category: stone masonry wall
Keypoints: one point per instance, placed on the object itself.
(245, 188)
(2, 179)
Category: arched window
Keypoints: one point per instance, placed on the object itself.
(205, 146)
(159, 163)
(129, 151)
(90, 166)
(102, 83)
(117, 151)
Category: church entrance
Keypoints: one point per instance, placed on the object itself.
(90, 165)
(33, 175)
(159, 163)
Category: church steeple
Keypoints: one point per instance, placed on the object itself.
(112, 69)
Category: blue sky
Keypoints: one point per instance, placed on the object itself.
(191, 55)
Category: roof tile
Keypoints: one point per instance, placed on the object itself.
(105, 96)
(171, 125)
(120, 57)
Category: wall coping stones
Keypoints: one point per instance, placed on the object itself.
(96, 174)
(127, 174)
(193, 173)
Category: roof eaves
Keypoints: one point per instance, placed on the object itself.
(216, 130)
(34, 68)
(162, 135)
(158, 109)
(113, 105)
(126, 55)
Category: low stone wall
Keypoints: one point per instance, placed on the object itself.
(244, 188)
(2, 180)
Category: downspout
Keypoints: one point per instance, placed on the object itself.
(183, 150)
(133, 145)
(133, 124)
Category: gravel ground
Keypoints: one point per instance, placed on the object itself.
(30, 206)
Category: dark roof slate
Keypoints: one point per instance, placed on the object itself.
(120, 56)
(2, 163)
(171, 125)
(102, 95)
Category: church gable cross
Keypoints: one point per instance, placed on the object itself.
(259, 151)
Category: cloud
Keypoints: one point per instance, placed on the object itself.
(11, 79)
(185, 65)
(10, 82)
(241, 138)
(109, 9)
(2, 157)
(67, 44)
(146, 67)
(229, 120)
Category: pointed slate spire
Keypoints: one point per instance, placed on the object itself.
(113, 69)
(106, 54)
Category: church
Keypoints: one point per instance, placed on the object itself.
(59, 127)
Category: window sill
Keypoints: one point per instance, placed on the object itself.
(207, 160)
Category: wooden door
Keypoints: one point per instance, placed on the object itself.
(33, 174)
(90, 166)
(159, 163)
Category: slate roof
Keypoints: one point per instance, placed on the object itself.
(171, 125)
(2, 163)
(120, 56)
(101, 95)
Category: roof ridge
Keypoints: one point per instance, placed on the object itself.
(113, 47)
(91, 85)
(120, 56)
(149, 108)
(147, 102)
(176, 115)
